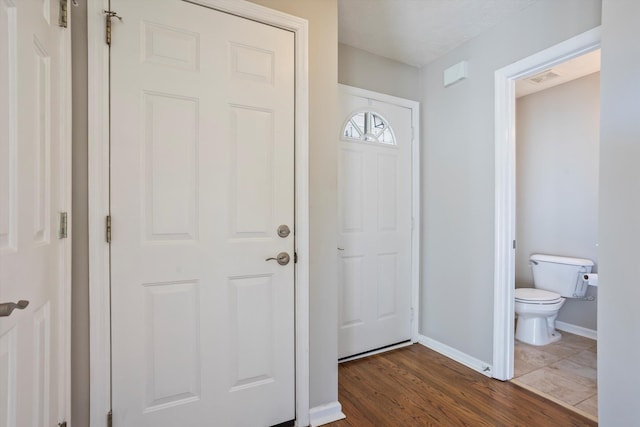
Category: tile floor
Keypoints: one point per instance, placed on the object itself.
(564, 372)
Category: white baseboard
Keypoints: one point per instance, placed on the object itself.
(325, 414)
(577, 330)
(457, 355)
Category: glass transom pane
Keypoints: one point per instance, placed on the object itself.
(367, 126)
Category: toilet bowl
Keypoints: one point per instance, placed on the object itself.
(537, 310)
(554, 279)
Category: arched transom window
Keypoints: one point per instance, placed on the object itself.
(367, 126)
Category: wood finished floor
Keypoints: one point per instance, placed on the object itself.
(415, 386)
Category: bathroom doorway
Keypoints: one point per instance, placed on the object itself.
(557, 163)
(509, 250)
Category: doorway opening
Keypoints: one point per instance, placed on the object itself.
(512, 245)
(557, 156)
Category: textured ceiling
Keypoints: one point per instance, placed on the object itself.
(418, 31)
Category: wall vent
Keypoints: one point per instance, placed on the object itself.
(543, 76)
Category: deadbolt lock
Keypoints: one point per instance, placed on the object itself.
(284, 231)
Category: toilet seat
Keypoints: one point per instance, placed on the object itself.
(536, 296)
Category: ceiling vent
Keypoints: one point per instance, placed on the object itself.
(543, 77)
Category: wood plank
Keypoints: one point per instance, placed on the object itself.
(416, 386)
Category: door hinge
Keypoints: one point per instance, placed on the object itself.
(514, 244)
(108, 229)
(295, 257)
(62, 15)
(109, 15)
(110, 419)
(62, 231)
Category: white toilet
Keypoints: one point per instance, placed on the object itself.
(555, 278)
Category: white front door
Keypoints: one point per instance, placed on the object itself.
(374, 185)
(202, 121)
(33, 118)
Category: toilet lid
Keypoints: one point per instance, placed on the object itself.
(539, 296)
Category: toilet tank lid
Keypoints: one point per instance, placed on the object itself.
(561, 259)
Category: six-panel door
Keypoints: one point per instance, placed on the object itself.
(32, 116)
(202, 106)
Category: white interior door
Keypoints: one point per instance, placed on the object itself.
(202, 123)
(374, 185)
(32, 190)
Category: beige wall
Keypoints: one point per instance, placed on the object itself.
(458, 171)
(323, 127)
(366, 70)
(79, 232)
(557, 152)
(619, 292)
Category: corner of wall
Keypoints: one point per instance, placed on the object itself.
(325, 414)
(456, 355)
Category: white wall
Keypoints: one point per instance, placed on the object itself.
(366, 70)
(557, 156)
(458, 171)
(619, 293)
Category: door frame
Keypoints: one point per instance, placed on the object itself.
(414, 106)
(66, 195)
(505, 192)
(98, 158)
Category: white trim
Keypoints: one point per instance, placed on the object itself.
(98, 168)
(414, 106)
(65, 259)
(12, 51)
(374, 352)
(505, 214)
(416, 220)
(325, 414)
(99, 308)
(456, 355)
(577, 330)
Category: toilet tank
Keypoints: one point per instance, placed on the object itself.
(559, 274)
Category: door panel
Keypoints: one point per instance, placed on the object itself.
(32, 183)
(8, 126)
(201, 178)
(172, 346)
(170, 168)
(251, 172)
(374, 185)
(8, 373)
